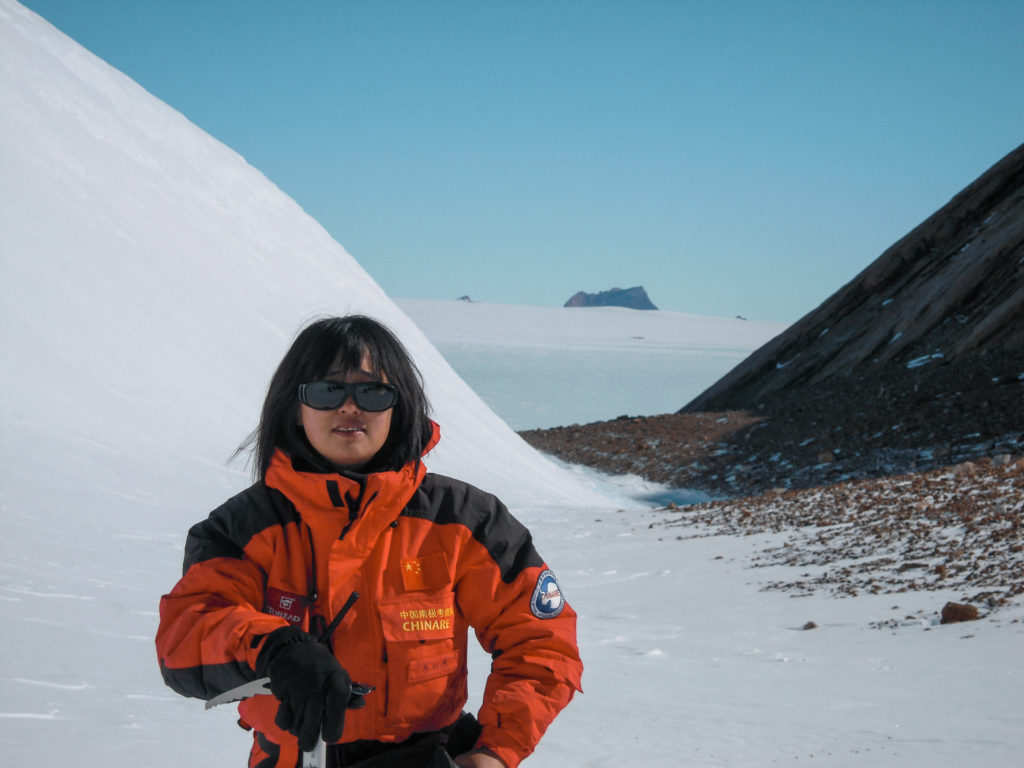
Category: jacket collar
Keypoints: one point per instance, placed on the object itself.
(318, 494)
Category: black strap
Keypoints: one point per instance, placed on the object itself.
(433, 749)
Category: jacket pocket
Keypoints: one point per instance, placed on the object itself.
(425, 661)
(418, 616)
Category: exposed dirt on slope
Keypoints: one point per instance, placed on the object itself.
(889, 421)
(884, 429)
(904, 479)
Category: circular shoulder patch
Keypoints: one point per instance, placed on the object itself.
(547, 601)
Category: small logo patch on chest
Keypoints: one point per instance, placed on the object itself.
(288, 605)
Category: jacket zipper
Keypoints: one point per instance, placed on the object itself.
(378, 630)
(355, 507)
(316, 621)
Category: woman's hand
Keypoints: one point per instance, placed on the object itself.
(479, 758)
(313, 688)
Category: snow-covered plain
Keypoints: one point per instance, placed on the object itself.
(552, 366)
(150, 282)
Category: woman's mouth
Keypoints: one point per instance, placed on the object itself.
(349, 430)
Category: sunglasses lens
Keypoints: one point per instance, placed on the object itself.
(375, 396)
(323, 395)
(328, 395)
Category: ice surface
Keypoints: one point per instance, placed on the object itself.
(553, 366)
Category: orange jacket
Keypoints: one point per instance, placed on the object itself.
(429, 556)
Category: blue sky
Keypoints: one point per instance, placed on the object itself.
(732, 157)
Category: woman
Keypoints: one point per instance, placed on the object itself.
(350, 576)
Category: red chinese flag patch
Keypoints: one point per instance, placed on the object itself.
(426, 572)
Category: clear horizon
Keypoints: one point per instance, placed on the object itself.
(733, 159)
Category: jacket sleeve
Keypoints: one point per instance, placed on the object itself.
(211, 622)
(512, 600)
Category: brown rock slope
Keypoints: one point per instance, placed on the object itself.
(884, 431)
(917, 363)
(951, 288)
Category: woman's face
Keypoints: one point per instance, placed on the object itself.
(347, 436)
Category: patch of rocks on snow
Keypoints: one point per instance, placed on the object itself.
(892, 481)
(957, 528)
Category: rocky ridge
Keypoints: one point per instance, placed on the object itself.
(951, 287)
(904, 499)
(874, 425)
(883, 433)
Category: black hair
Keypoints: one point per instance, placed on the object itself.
(341, 343)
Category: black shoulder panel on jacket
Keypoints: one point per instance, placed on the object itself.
(230, 527)
(447, 501)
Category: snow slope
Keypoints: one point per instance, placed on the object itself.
(149, 264)
(150, 282)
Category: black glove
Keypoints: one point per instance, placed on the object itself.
(313, 688)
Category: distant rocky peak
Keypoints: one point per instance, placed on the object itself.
(631, 298)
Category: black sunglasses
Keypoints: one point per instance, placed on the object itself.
(328, 395)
